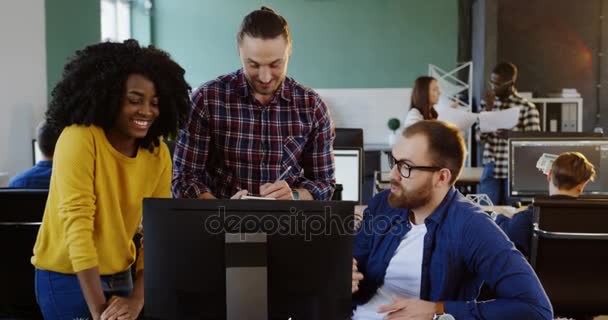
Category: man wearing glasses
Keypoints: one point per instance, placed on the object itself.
(423, 250)
(502, 95)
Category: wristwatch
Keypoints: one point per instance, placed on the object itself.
(295, 194)
(440, 312)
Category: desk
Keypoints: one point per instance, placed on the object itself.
(470, 176)
(508, 211)
(4, 179)
(378, 147)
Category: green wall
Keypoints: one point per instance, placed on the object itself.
(337, 43)
(70, 25)
(140, 23)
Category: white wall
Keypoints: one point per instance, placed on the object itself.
(22, 81)
(369, 109)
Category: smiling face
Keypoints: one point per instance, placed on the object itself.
(264, 64)
(139, 109)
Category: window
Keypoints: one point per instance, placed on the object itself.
(115, 20)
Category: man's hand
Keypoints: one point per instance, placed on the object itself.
(406, 308)
(279, 190)
(122, 309)
(490, 99)
(207, 196)
(239, 194)
(357, 276)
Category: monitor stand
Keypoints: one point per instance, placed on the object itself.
(246, 276)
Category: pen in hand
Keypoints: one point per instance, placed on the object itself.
(284, 174)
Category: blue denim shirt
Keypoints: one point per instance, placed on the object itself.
(519, 227)
(463, 248)
(37, 177)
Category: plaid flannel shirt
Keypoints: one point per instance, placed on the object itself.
(496, 149)
(232, 142)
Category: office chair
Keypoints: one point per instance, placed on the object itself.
(569, 253)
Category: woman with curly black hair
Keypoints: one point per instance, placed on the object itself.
(114, 103)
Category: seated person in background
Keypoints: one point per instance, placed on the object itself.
(423, 250)
(114, 104)
(39, 176)
(569, 174)
(425, 96)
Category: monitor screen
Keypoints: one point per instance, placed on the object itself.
(525, 179)
(201, 262)
(36, 154)
(348, 172)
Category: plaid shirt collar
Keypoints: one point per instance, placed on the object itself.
(284, 90)
(512, 98)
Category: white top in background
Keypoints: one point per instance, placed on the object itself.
(412, 117)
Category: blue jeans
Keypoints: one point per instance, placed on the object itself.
(496, 189)
(60, 296)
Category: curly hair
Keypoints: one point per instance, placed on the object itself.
(93, 86)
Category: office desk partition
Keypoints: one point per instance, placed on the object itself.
(20, 219)
(470, 176)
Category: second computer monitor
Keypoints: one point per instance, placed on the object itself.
(525, 180)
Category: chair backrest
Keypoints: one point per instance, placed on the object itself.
(569, 253)
(20, 219)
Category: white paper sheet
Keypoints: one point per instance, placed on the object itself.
(494, 120)
(458, 117)
(545, 162)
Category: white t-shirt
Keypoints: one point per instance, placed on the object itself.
(412, 117)
(402, 276)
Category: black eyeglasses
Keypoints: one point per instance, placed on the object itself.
(405, 170)
(494, 85)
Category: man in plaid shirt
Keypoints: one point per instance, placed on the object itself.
(495, 145)
(256, 131)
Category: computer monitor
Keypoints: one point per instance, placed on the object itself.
(20, 219)
(349, 162)
(349, 137)
(525, 180)
(295, 263)
(36, 154)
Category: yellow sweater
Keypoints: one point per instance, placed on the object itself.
(94, 207)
